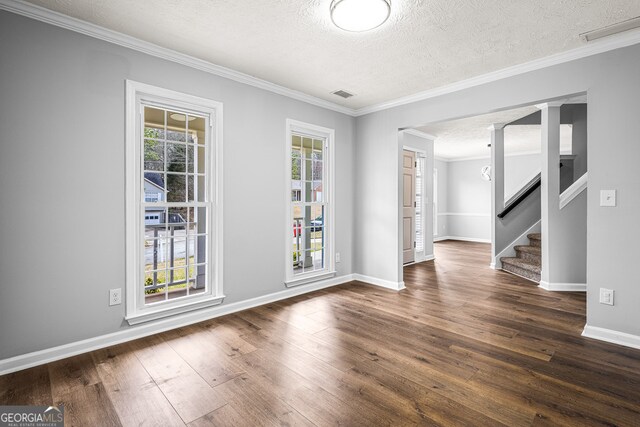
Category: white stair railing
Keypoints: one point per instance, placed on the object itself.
(574, 190)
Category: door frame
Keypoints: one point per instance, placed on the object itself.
(411, 139)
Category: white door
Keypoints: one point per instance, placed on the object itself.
(408, 205)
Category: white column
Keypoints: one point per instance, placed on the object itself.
(497, 182)
(550, 185)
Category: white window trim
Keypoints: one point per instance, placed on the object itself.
(136, 312)
(329, 220)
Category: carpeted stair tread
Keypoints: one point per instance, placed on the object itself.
(535, 239)
(532, 254)
(534, 250)
(521, 267)
(521, 263)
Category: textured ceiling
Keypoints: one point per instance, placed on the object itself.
(469, 138)
(424, 45)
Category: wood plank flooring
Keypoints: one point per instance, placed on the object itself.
(463, 345)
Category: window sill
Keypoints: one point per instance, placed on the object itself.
(309, 279)
(159, 313)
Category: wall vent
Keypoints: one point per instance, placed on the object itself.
(342, 93)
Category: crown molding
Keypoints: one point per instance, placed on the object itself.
(617, 41)
(20, 7)
(42, 14)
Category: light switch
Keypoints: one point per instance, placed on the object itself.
(606, 296)
(607, 197)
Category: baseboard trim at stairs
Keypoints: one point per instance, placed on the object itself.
(563, 287)
(509, 251)
(519, 275)
(462, 239)
(396, 286)
(40, 357)
(609, 335)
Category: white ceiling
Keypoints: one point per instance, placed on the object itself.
(424, 45)
(469, 137)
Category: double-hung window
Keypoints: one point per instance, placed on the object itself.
(173, 219)
(309, 228)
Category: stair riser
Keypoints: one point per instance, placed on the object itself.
(521, 272)
(535, 242)
(536, 259)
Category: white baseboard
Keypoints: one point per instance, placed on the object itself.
(493, 266)
(40, 357)
(422, 259)
(396, 286)
(609, 335)
(463, 239)
(509, 251)
(563, 287)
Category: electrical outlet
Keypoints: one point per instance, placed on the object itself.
(337, 257)
(606, 296)
(115, 296)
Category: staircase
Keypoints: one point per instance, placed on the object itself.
(528, 260)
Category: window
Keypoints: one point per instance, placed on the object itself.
(174, 224)
(309, 223)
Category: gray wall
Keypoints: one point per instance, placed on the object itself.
(611, 82)
(62, 181)
(468, 200)
(579, 140)
(518, 171)
(442, 202)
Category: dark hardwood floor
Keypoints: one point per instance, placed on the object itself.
(462, 345)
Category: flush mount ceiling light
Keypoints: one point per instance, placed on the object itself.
(180, 117)
(359, 15)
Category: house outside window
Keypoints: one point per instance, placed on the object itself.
(174, 223)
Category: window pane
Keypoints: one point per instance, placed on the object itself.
(176, 188)
(308, 191)
(176, 126)
(154, 123)
(296, 165)
(308, 169)
(200, 161)
(318, 259)
(296, 142)
(154, 222)
(155, 254)
(176, 157)
(317, 171)
(154, 191)
(201, 188)
(190, 187)
(177, 219)
(307, 147)
(190, 158)
(196, 129)
(308, 261)
(153, 155)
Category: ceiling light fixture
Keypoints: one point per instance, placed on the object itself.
(180, 117)
(619, 27)
(359, 15)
